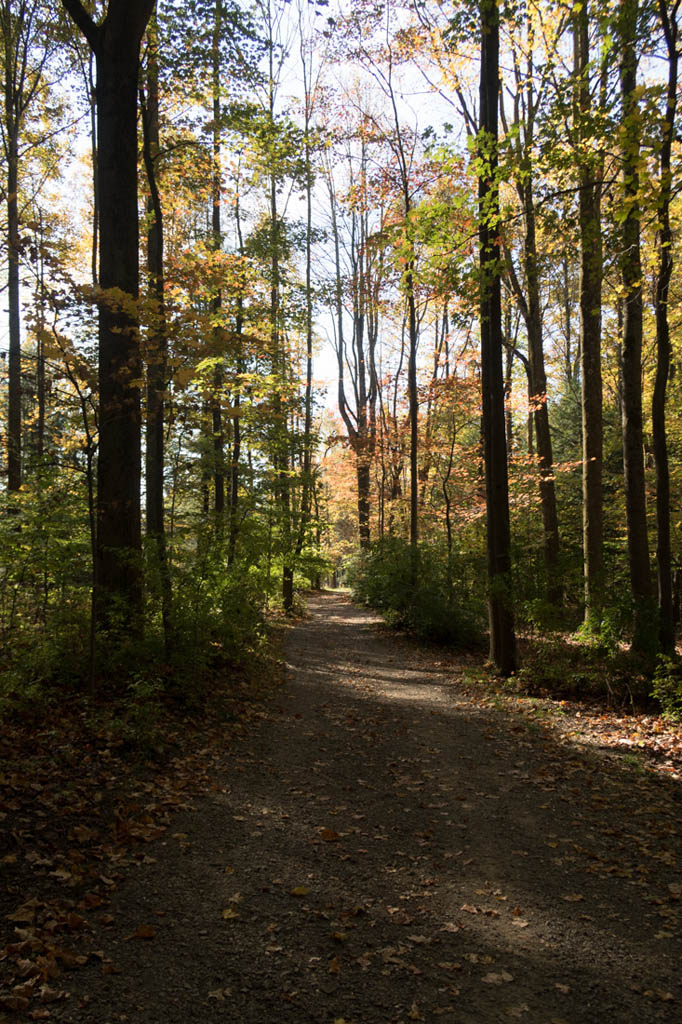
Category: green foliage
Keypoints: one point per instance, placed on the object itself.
(415, 591)
(667, 687)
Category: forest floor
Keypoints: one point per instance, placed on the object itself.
(380, 842)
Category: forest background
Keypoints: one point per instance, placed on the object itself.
(473, 208)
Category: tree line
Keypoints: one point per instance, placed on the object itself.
(473, 207)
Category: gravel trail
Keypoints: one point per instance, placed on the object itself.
(381, 848)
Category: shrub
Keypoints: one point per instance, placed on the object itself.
(667, 687)
(428, 598)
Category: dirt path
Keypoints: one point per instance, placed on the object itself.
(380, 850)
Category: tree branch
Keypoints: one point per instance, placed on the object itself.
(83, 21)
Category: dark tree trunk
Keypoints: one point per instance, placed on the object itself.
(502, 637)
(116, 45)
(14, 397)
(307, 483)
(643, 640)
(591, 272)
(666, 620)
(217, 301)
(236, 404)
(413, 398)
(94, 252)
(40, 348)
(360, 424)
(508, 363)
(157, 355)
(363, 476)
(536, 359)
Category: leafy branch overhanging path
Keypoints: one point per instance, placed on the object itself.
(382, 849)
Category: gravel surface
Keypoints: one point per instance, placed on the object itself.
(381, 848)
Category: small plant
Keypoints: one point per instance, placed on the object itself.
(667, 687)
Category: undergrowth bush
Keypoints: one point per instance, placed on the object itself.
(667, 687)
(419, 591)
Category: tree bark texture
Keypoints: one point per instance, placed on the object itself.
(217, 301)
(631, 271)
(502, 637)
(116, 45)
(157, 342)
(13, 245)
(591, 273)
(540, 409)
(666, 621)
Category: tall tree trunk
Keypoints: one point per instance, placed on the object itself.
(591, 272)
(307, 483)
(92, 97)
(236, 404)
(643, 639)
(356, 431)
(116, 45)
(502, 637)
(217, 301)
(413, 399)
(157, 343)
(508, 364)
(536, 359)
(14, 417)
(40, 348)
(666, 623)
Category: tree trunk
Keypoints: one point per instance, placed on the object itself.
(157, 355)
(502, 637)
(217, 301)
(13, 301)
(536, 359)
(413, 398)
(591, 271)
(116, 45)
(643, 640)
(363, 476)
(666, 621)
(236, 404)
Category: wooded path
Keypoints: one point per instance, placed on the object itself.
(381, 848)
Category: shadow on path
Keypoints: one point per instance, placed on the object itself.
(381, 850)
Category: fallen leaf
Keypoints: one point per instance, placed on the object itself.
(50, 995)
(498, 979)
(143, 931)
(334, 965)
(518, 1011)
(15, 1003)
(300, 890)
(25, 913)
(219, 994)
(110, 968)
(415, 1013)
(230, 914)
(469, 908)
(573, 897)
(519, 922)
(328, 835)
